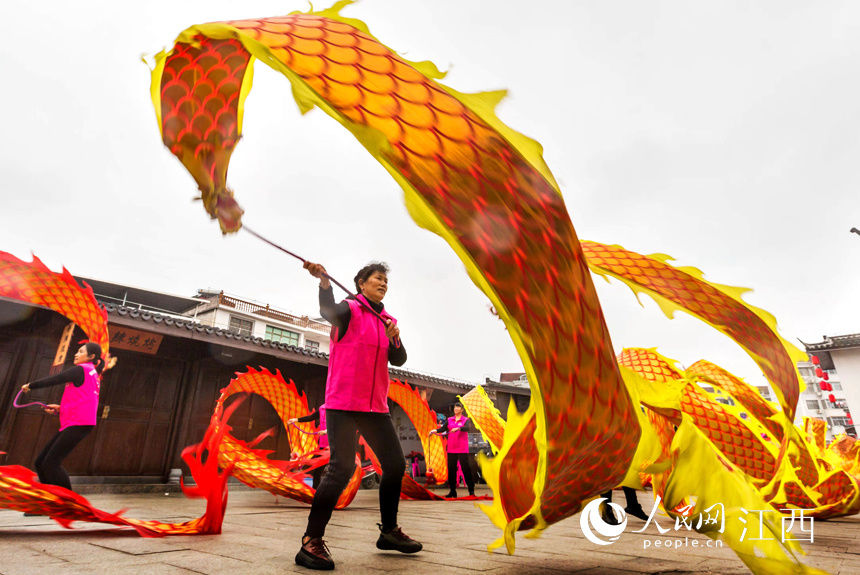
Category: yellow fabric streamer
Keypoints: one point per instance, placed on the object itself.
(466, 177)
(485, 189)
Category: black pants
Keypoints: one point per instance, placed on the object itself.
(463, 458)
(379, 432)
(317, 474)
(49, 463)
(629, 495)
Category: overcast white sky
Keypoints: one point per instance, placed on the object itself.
(726, 134)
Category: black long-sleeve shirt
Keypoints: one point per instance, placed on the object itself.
(74, 375)
(312, 416)
(339, 314)
(466, 426)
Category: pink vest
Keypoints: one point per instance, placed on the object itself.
(80, 405)
(458, 441)
(323, 439)
(358, 363)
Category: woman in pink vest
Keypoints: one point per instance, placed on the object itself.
(78, 411)
(356, 400)
(458, 449)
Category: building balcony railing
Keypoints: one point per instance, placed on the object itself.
(266, 311)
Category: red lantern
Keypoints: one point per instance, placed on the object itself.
(815, 360)
(831, 398)
(826, 376)
(819, 372)
(822, 385)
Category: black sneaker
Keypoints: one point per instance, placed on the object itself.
(451, 495)
(314, 555)
(397, 540)
(636, 512)
(608, 515)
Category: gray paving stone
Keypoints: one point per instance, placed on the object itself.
(261, 535)
(142, 545)
(207, 562)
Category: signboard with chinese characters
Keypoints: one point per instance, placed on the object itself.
(134, 340)
(63, 348)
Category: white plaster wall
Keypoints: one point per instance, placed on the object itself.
(322, 339)
(847, 364)
(813, 392)
(222, 320)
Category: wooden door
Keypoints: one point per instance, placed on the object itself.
(138, 400)
(29, 428)
(8, 387)
(254, 416)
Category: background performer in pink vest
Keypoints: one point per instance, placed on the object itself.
(318, 417)
(78, 411)
(356, 399)
(458, 449)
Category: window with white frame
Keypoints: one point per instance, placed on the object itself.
(812, 404)
(281, 335)
(836, 385)
(241, 325)
(312, 345)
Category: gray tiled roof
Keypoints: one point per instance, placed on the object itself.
(187, 326)
(835, 342)
(518, 388)
(192, 326)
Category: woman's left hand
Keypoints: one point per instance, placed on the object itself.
(52, 408)
(391, 330)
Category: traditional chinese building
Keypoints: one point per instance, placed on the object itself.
(839, 359)
(511, 387)
(174, 354)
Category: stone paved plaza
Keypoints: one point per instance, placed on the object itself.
(261, 535)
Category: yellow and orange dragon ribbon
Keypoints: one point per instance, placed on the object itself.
(466, 177)
(35, 284)
(486, 191)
